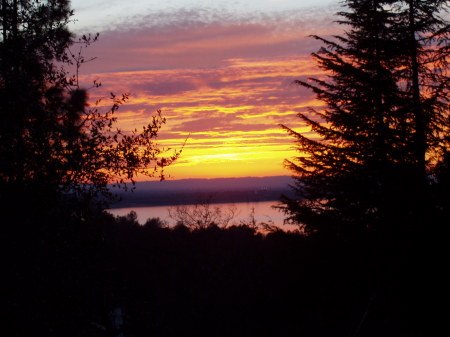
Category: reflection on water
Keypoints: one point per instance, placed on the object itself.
(263, 212)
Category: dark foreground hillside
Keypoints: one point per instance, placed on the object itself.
(122, 279)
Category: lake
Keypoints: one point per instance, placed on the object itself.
(263, 212)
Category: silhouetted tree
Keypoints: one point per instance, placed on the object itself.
(386, 98)
(155, 223)
(202, 215)
(54, 145)
(57, 155)
(425, 28)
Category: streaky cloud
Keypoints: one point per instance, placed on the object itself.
(222, 82)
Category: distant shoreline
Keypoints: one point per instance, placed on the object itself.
(214, 191)
(149, 200)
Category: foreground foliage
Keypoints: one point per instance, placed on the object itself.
(55, 149)
(73, 281)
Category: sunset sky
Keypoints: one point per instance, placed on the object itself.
(220, 71)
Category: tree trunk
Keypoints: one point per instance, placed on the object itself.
(420, 146)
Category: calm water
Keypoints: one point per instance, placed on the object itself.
(263, 212)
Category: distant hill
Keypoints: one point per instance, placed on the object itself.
(191, 191)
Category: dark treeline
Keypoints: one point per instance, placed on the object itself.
(156, 281)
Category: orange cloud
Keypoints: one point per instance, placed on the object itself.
(231, 114)
(225, 86)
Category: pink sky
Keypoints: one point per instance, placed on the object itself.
(224, 80)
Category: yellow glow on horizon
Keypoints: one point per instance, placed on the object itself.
(230, 116)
